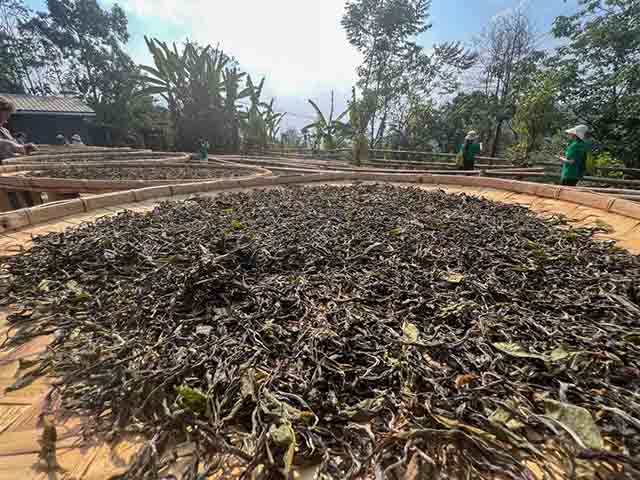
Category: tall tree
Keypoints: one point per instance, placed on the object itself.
(395, 67)
(506, 48)
(599, 68)
(90, 40)
(28, 64)
(536, 114)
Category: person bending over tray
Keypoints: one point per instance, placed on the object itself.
(9, 146)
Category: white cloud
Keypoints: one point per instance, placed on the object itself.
(299, 45)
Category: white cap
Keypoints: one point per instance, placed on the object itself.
(472, 135)
(580, 131)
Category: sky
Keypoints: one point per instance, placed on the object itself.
(299, 45)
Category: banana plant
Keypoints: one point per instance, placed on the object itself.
(201, 87)
(329, 133)
(232, 78)
(168, 76)
(261, 123)
(273, 120)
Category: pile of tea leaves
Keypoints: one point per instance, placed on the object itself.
(92, 172)
(370, 331)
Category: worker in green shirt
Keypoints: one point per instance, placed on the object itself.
(469, 149)
(204, 149)
(574, 159)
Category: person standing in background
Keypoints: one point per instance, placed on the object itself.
(575, 158)
(469, 150)
(8, 145)
(76, 140)
(204, 149)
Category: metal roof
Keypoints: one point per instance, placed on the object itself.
(49, 105)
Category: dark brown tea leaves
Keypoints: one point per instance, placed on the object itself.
(336, 328)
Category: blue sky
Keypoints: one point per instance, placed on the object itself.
(299, 44)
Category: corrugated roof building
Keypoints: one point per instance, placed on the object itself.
(43, 118)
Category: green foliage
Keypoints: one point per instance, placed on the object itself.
(261, 123)
(508, 58)
(536, 114)
(606, 160)
(395, 67)
(599, 68)
(359, 114)
(202, 88)
(90, 40)
(84, 45)
(28, 64)
(327, 133)
(425, 121)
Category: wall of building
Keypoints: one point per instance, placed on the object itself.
(44, 128)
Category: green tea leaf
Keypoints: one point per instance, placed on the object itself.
(506, 418)
(192, 399)
(455, 278)
(411, 332)
(396, 232)
(602, 225)
(576, 419)
(284, 438)
(79, 295)
(236, 225)
(44, 286)
(516, 350)
(559, 353)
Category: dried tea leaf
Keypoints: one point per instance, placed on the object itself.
(395, 231)
(413, 470)
(462, 380)
(516, 350)
(576, 419)
(454, 278)
(411, 332)
(204, 330)
(248, 387)
(632, 337)
(45, 286)
(365, 409)
(455, 424)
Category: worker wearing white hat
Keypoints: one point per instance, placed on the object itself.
(574, 160)
(470, 149)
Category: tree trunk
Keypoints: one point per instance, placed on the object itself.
(496, 140)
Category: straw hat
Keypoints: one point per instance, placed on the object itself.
(472, 135)
(580, 131)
